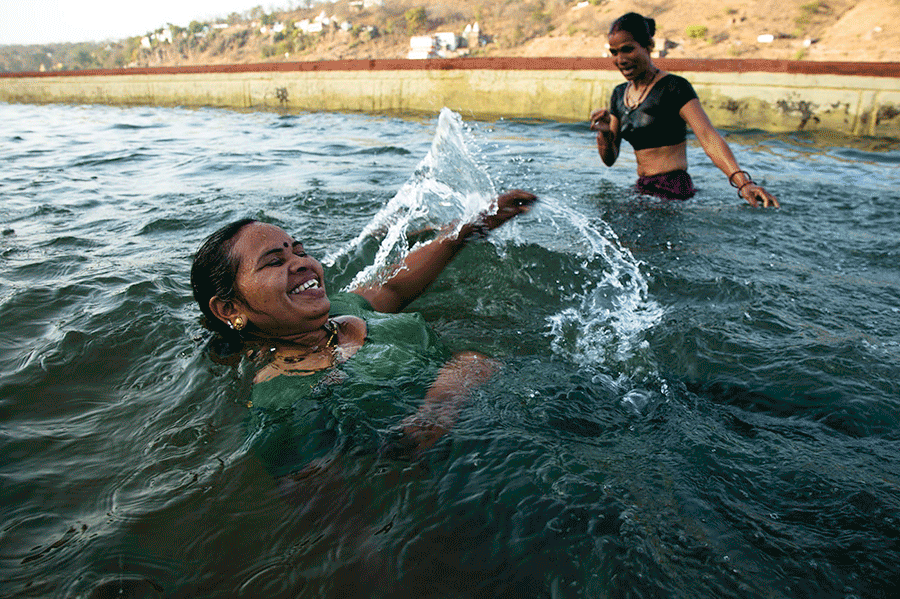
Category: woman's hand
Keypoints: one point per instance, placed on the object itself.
(509, 204)
(754, 194)
(608, 140)
(718, 151)
(424, 263)
(601, 121)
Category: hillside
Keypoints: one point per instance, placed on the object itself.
(838, 30)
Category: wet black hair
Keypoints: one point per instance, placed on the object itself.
(641, 28)
(214, 271)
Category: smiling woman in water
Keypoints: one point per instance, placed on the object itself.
(256, 285)
(651, 111)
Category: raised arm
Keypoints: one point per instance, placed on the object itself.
(423, 265)
(718, 151)
(608, 141)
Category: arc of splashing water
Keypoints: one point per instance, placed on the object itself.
(448, 185)
(607, 329)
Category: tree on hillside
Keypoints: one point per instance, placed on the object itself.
(415, 20)
(84, 59)
(195, 27)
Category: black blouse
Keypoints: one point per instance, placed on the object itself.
(655, 122)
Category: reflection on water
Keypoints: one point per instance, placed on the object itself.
(697, 399)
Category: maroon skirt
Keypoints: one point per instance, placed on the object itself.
(674, 185)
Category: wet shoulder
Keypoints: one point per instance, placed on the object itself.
(676, 86)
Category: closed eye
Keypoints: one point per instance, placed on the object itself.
(277, 256)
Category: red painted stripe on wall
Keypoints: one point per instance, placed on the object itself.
(727, 65)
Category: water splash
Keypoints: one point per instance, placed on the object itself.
(603, 322)
(447, 186)
(606, 321)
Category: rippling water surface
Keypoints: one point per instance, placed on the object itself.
(697, 400)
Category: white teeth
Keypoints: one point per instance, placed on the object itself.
(307, 285)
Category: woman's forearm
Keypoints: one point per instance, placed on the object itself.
(721, 155)
(423, 265)
(419, 269)
(607, 147)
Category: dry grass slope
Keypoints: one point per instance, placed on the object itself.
(832, 30)
(844, 30)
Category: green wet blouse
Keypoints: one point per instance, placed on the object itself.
(351, 406)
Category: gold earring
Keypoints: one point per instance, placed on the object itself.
(238, 323)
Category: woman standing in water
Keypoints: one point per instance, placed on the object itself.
(256, 286)
(651, 111)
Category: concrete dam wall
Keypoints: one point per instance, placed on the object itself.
(859, 99)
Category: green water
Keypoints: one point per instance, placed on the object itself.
(697, 399)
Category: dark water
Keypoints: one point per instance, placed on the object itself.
(697, 399)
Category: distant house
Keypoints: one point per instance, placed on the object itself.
(440, 45)
(363, 4)
(306, 26)
(422, 46)
(446, 41)
(275, 28)
(317, 25)
(161, 36)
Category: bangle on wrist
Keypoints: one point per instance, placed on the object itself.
(731, 178)
(741, 188)
(479, 231)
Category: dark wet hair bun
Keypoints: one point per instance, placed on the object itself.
(641, 28)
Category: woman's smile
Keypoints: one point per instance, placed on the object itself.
(310, 288)
(281, 287)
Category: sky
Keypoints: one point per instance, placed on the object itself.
(51, 21)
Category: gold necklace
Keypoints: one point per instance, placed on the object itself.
(332, 328)
(643, 95)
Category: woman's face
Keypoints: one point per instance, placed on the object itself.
(281, 289)
(631, 58)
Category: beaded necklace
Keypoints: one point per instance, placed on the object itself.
(629, 106)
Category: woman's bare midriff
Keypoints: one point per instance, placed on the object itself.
(655, 161)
